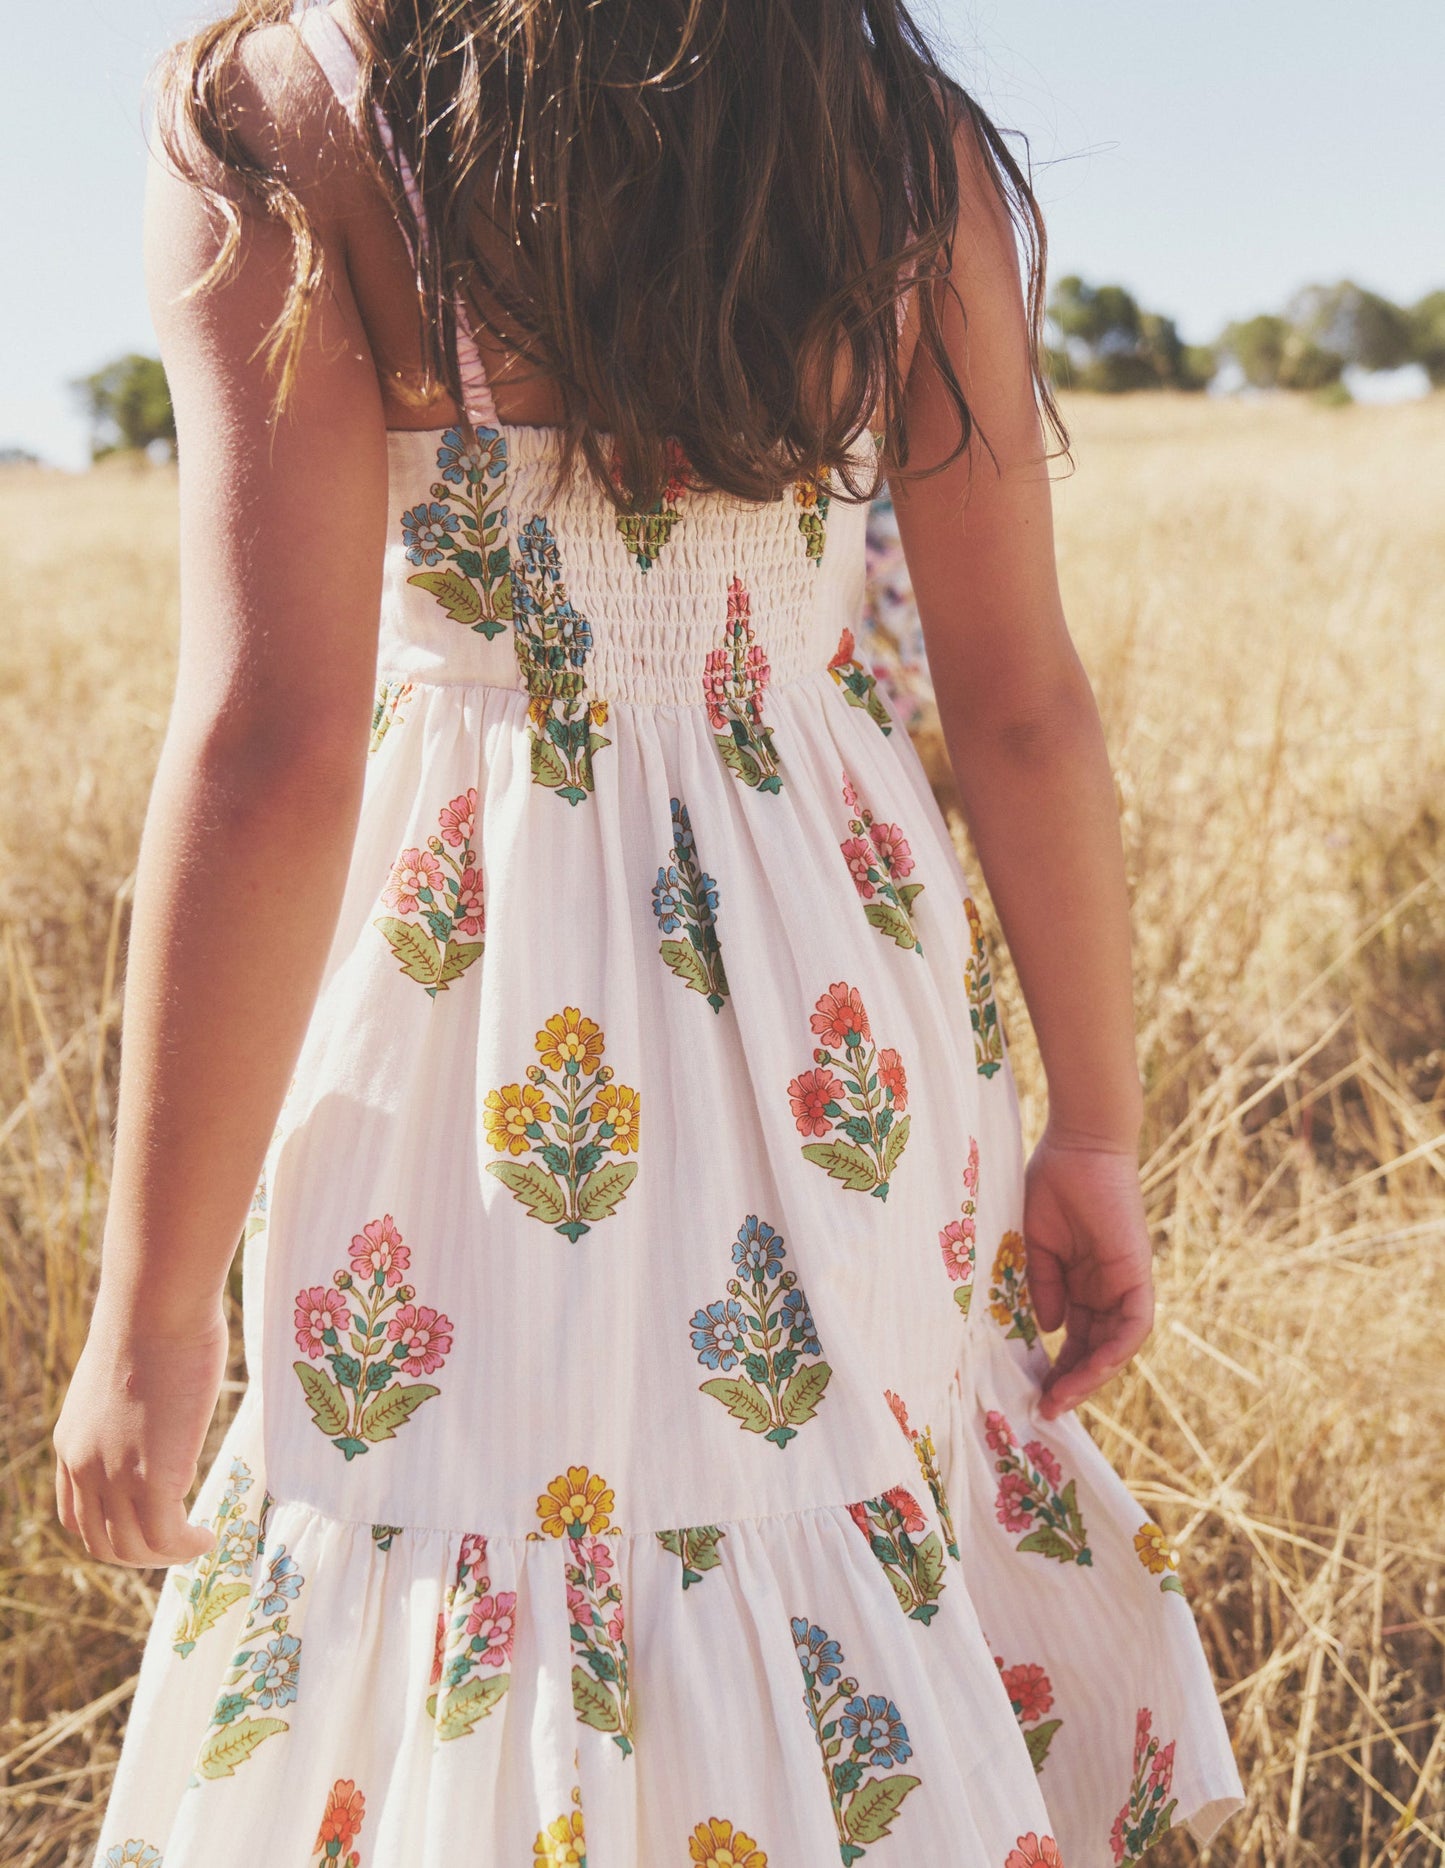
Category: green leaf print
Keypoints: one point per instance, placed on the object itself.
(1038, 1740)
(696, 1549)
(602, 1191)
(842, 1161)
(592, 1704)
(460, 955)
(897, 1141)
(890, 921)
(743, 1402)
(452, 591)
(392, 1409)
(533, 1186)
(684, 960)
(418, 953)
(804, 1392)
(547, 766)
(928, 1565)
(468, 1704)
(224, 1750)
(873, 1810)
(213, 1607)
(323, 1397)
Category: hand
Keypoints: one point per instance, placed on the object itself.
(130, 1434)
(1090, 1266)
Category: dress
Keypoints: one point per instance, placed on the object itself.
(639, 1463)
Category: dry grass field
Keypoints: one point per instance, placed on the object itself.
(1259, 592)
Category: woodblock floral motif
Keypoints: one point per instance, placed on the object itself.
(463, 528)
(855, 1092)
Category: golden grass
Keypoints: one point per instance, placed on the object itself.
(1257, 590)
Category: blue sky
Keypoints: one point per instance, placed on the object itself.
(1211, 158)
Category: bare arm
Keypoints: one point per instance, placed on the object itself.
(1033, 776)
(245, 846)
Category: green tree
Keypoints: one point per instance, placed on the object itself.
(1112, 344)
(1357, 326)
(1427, 335)
(128, 404)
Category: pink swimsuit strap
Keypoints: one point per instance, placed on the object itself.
(336, 56)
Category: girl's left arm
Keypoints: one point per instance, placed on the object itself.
(248, 833)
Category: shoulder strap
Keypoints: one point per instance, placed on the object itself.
(336, 56)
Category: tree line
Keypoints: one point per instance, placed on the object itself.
(1103, 339)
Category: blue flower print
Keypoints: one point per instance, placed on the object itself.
(717, 1334)
(276, 1666)
(462, 464)
(802, 1331)
(877, 1730)
(667, 903)
(283, 1584)
(758, 1250)
(537, 548)
(819, 1656)
(133, 1854)
(426, 531)
(574, 632)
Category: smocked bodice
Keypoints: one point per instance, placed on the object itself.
(489, 579)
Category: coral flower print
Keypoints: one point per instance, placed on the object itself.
(473, 1645)
(1148, 1810)
(1031, 1694)
(1159, 1557)
(1032, 1498)
(763, 1329)
(716, 1844)
(879, 859)
(1034, 1851)
(958, 1240)
(387, 1334)
(575, 1120)
(340, 1825)
(855, 684)
(436, 898)
(855, 1092)
(733, 679)
(897, 1533)
(926, 1454)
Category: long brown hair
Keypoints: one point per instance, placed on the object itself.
(675, 182)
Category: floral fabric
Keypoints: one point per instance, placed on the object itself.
(625, 1474)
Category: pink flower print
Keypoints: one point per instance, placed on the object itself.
(426, 1334)
(318, 1310)
(439, 1648)
(893, 850)
(1142, 1722)
(491, 1620)
(413, 872)
(809, 1094)
(1161, 1771)
(858, 855)
(578, 1607)
(900, 1410)
(858, 1512)
(908, 1509)
(957, 1244)
(850, 793)
(715, 671)
(1116, 1837)
(458, 817)
(598, 1553)
(998, 1433)
(1013, 1507)
(471, 1553)
(839, 1016)
(377, 1252)
(615, 1623)
(893, 1077)
(970, 1173)
(471, 912)
(1030, 1690)
(844, 651)
(1046, 1463)
(756, 675)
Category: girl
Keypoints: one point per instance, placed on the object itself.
(649, 1453)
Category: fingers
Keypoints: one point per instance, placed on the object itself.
(1095, 1350)
(168, 1531)
(140, 1529)
(65, 1499)
(90, 1517)
(1046, 1286)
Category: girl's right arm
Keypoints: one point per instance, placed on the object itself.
(1034, 780)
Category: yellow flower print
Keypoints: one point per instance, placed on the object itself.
(538, 712)
(623, 1109)
(1158, 1556)
(509, 1111)
(577, 1503)
(1009, 1303)
(561, 1844)
(597, 712)
(716, 1844)
(570, 1039)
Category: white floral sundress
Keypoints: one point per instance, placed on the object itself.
(640, 1463)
